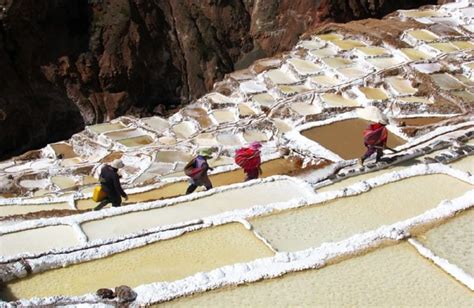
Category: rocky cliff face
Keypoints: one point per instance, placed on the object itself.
(66, 63)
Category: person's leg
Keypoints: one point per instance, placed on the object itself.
(379, 154)
(192, 187)
(251, 174)
(117, 202)
(206, 182)
(370, 151)
(102, 204)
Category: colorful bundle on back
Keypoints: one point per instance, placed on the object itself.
(375, 134)
(195, 167)
(247, 158)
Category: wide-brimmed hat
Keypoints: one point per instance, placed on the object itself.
(372, 113)
(206, 152)
(117, 164)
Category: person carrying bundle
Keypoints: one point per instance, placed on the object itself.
(249, 159)
(375, 140)
(197, 170)
(110, 185)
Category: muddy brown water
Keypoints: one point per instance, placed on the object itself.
(136, 141)
(273, 167)
(64, 149)
(421, 121)
(345, 138)
(200, 115)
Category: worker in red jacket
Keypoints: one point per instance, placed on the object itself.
(375, 140)
(249, 159)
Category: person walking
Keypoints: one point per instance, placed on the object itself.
(375, 140)
(197, 170)
(110, 182)
(249, 159)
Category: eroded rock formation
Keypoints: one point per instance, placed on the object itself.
(66, 63)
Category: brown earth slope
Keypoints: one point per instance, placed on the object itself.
(66, 63)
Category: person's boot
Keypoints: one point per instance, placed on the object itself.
(361, 161)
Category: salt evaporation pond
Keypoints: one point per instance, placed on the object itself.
(161, 261)
(184, 129)
(400, 85)
(353, 72)
(339, 219)
(384, 63)
(305, 109)
(421, 121)
(372, 51)
(45, 239)
(414, 54)
(173, 156)
(323, 52)
(443, 47)
(324, 81)
(387, 277)
(156, 123)
(453, 241)
(345, 138)
(136, 141)
(123, 134)
(465, 164)
(105, 127)
(7, 210)
(347, 44)
(199, 114)
(243, 198)
(205, 139)
(373, 93)
(64, 149)
(292, 90)
(337, 62)
(264, 99)
(224, 116)
(245, 110)
(337, 100)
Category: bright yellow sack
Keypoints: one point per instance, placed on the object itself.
(98, 194)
